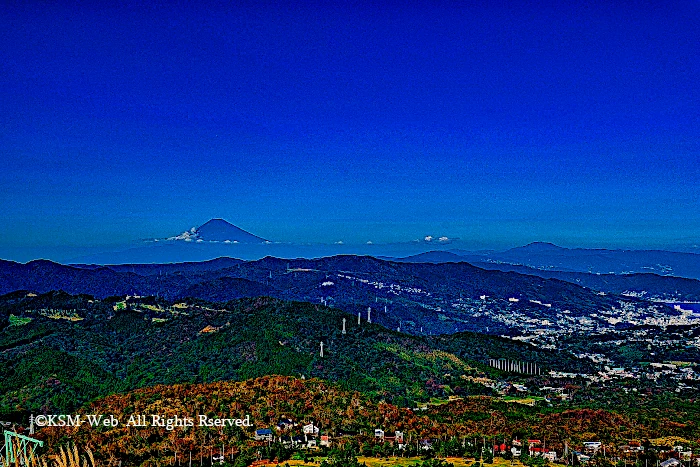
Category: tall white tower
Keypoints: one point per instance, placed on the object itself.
(369, 314)
(358, 318)
(321, 354)
(343, 325)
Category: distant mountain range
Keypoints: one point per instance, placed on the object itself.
(651, 286)
(550, 257)
(417, 296)
(653, 274)
(645, 285)
(435, 257)
(219, 238)
(597, 261)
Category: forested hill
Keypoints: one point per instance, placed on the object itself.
(299, 278)
(59, 351)
(335, 411)
(420, 298)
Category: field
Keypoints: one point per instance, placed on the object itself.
(18, 321)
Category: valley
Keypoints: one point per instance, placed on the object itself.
(452, 350)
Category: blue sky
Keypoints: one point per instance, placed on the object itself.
(576, 124)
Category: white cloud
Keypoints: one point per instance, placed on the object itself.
(187, 236)
(428, 238)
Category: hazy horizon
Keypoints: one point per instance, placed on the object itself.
(498, 125)
(204, 250)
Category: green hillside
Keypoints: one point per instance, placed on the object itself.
(66, 356)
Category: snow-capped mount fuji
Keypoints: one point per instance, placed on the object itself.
(218, 230)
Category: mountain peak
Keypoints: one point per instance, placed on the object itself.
(542, 246)
(217, 221)
(218, 230)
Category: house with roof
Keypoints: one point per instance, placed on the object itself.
(396, 438)
(284, 424)
(299, 441)
(311, 429)
(263, 434)
(592, 446)
(425, 444)
(542, 452)
(500, 448)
